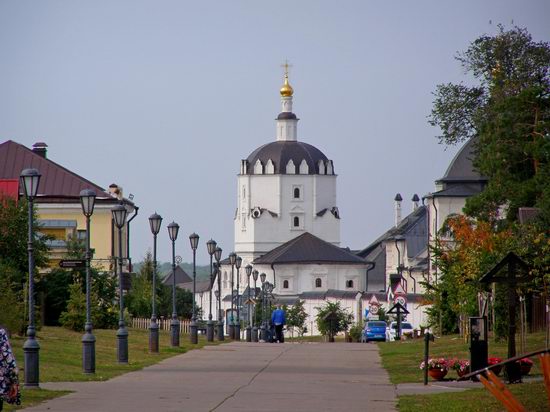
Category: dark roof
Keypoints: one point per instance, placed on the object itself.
(308, 248)
(181, 277)
(282, 151)
(56, 181)
(414, 228)
(461, 167)
(200, 286)
(286, 116)
(458, 190)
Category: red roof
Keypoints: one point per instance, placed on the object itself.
(56, 181)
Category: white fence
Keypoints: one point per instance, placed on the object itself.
(164, 324)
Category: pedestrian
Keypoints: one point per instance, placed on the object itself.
(9, 381)
(278, 319)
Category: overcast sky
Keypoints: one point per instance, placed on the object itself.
(165, 97)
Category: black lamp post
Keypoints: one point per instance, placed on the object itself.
(232, 260)
(217, 295)
(238, 263)
(155, 221)
(263, 330)
(218, 256)
(30, 178)
(254, 326)
(87, 201)
(173, 229)
(211, 246)
(194, 239)
(119, 216)
(248, 270)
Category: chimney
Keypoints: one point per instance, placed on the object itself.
(40, 149)
(415, 201)
(398, 200)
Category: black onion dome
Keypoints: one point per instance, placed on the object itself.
(281, 152)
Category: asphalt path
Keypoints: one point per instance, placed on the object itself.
(240, 376)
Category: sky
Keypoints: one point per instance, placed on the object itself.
(165, 97)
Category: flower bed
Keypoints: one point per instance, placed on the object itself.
(494, 361)
(461, 366)
(525, 364)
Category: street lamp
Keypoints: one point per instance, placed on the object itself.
(194, 239)
(173, 229)
(119, 213)
(218, 256)
(155, 220)
(263, 330)
(248, 270)
(217, 295)
(30, 178)
(232, 260)
(254, 326)
(237, 332)
(211, 246)
(87, 201)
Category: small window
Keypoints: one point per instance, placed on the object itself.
(318, 283)
(296, 193)
(285, 284)
(296, 221)
(224, 275)
(349, 283)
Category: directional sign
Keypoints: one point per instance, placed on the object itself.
(73, 264)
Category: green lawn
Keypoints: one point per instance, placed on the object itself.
(61, 357)
(531, 395)
(61, 353)
(33, 397)
(402, 358)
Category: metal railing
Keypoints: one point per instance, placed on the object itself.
(164, 324)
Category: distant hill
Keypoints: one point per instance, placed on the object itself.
(164, 268)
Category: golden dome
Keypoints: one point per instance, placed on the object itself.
(286, 90)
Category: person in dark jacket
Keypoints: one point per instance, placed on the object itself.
(9, 383)
(278, 319)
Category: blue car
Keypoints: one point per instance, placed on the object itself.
(374, 330)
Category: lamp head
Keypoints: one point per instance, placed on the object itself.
(155, 221)
(119, 215)
(87, 201)
(194, 239)
(211, 245)
(30, 178)
(173, 229)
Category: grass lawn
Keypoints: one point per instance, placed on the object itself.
(61, 353)
(61, 357)
(402, 358)
(531, 395)
(33, 397)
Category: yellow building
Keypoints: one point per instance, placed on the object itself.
(58, 204)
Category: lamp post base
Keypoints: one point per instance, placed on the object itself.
(263, 334)
(31, 351)
(231, 330)
(237, 331)
(210, 331)
(193, 332)
(255, 334)
(88, 353)
(221, 336)
(122, 344)
(248, 334)
(154, 336)
(175, 332)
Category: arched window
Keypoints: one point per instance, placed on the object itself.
(349, 283)
(318, 283)
(296, 221)
(285, 284)
(296, 193)
(224, 275)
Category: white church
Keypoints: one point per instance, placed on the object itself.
(287, 225)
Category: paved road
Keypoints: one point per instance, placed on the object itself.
(242, 376)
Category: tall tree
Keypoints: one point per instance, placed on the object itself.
(507, 111)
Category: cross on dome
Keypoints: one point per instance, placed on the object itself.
(286, 90)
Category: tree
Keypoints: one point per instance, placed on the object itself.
(75, 315)
(296, 317)
(340, 322)
(508, 113)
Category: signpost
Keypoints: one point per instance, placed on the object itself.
(73, 264)
(374, 307)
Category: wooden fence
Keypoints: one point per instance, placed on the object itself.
(164, 324)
